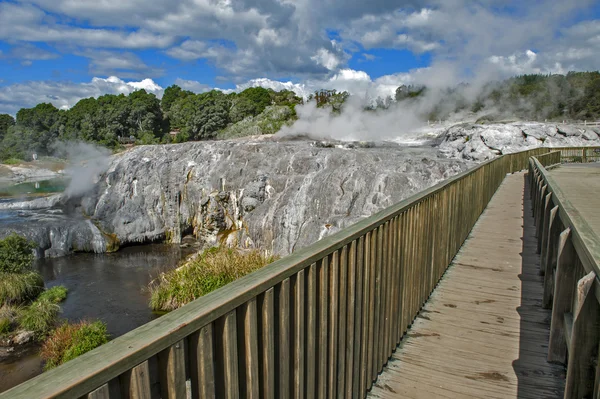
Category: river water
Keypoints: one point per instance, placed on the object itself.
(107, 287)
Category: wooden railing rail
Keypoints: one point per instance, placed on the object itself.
(570, 263)
(321, 322)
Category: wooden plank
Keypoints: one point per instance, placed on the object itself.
(334, 310)
(563, 297)
(202, 363)
(110, 390)
(311, 331)
(451, 349)
(248, 350)
(547, 262)
(283, 342)
(226, 373)
(299, 365)
(267, 345)
(353, 308)
(583, 347)
(365, 333)
(171, 366)
(323, 328)
(135, 383)
(342, 321)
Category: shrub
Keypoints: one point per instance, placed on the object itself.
(55, 294)
(39, 317)
(213, 269)
(18, 288)
(12, 161)
(16, 254)
(71, 340)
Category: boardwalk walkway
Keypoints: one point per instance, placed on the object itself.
(581, 182)
(483, 332)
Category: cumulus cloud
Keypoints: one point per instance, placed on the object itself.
(64, 95)
(283, 40)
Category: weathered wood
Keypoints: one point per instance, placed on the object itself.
(351, 323)
(342, 322)
(488, 299)
(545, 231)
(171, 366)
(135, 383)
(299, 365)
(248, 349)
(110, 390)
(283, 346)
(226, 373)
(334, 310)
(202, 363)
(366, 318)
(323, 328)
(583, 348)
(266, 346)
(311, 330)
(563, 297)
(548, 261)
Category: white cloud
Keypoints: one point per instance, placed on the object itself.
(192, 85)
(123, 64)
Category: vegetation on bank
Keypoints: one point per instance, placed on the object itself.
(27, 307)
(70, 340)
(209, 271)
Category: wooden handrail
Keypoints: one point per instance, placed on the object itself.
(323, 320)
(570, 262)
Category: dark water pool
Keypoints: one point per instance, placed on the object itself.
(108, 287)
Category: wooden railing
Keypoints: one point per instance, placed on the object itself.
(570, 257)
(321, 322)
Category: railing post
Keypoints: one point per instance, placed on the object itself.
(543, 241)
(549, 261)
(563, 297)
(583, 348)
(540, 216)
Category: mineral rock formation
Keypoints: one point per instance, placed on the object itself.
(476, 142)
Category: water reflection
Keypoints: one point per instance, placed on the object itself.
(110, 287)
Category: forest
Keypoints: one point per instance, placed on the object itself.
(141, 118)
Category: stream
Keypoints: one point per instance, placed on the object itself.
(110, 287)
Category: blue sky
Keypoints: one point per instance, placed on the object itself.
(64, 50)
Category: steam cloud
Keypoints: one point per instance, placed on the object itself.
(86, 163)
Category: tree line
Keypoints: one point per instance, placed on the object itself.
(140, 117)
(181, 115)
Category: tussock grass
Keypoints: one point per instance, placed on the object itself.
(55, 294)
(212, 269)
(20, 287)
(39, 317)
(71, 340)
(8, 318)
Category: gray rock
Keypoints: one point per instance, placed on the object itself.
(478, 143)
(23, 337)
(278, 196)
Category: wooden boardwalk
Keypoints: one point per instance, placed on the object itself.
(581, 183)
(483, 332)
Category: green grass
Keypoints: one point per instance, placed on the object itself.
(39, 317)
(18, 288)
(213, 269)
(8, 318)
(12, 161)
(55, 294)
(69, 341)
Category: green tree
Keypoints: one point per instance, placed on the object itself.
(6, 121)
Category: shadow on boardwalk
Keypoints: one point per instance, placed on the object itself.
(531, 303)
